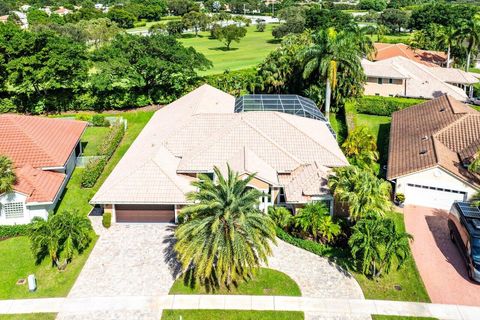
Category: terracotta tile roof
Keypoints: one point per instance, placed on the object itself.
(306, 182)
(428, 58)
(33, 143)
(38, 185)
(37, 141)
(440, 132)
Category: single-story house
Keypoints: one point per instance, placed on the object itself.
(384, 51)
(43, 152)
(284, 139)
(399, 76)
(431, 146)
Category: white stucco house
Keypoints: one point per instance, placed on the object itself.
(43, 152)
(431, 146)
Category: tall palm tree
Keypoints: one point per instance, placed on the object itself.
(7, 174)
(361, 190)
(446, 39)
(329, 52)
(225, 237)
(315, 219)
(469, 35)
(60, 236)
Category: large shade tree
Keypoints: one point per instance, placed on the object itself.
(225, 237)
(7, 174)
(331, 52)
(361, 190)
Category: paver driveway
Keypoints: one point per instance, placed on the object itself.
(136, 260)
(438, 260)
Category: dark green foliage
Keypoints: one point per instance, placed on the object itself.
(123, 18)
(107, 219)
(261, 26)
(230, 33)
(237, 83)
(444, 14)
(13, 231)
(384, 106)
(99, 120)
(376, 5)
(175, 28)
(112, 140)
(318, 18)
(394, 19)
(92, 172)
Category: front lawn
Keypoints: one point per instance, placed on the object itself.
(77, 198)
(29, 316)
(17, 261)
(231, 315)
(249, 52)
(267, 282)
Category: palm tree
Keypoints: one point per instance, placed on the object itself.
(376, 244)
(329, 52)
(225, 237)
(60, 236)
(469, 34)
(446, 39)
(361, 147)
(361, 190)
(381, 31)
(315, 219)
(7, 175)
(281, 216)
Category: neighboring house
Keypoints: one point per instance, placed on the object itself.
(22, 17)
(291, 151)
(63, 11)
(384, 51)
(43, 152)
(431, 146)
(402, 77)
(4, 19)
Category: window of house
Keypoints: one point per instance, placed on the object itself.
(380, 81)
(13, 210)
(390, 81)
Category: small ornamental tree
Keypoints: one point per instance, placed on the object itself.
(230, 33)
(196, 21)
(7, 174)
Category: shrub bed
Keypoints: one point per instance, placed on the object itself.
(384, 106)
(94, 169)
(13, 231)
(107, 219)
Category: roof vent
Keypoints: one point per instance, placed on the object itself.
(442, 109)
(422, 152)
(424, 138)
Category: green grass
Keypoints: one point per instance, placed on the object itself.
(29, 316)
(382, 317)
(408, 278)
(92, 138)
(231, 315)
(394, 38)
(249, 52)
(267, 282)
(77, 198)
(17, 261)
(149, 24)
(380, 128)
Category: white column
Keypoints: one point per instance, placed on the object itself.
(176, 213)
(114, 214)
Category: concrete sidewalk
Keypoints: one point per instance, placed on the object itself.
(346, 307)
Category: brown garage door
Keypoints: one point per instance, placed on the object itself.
(145, 213)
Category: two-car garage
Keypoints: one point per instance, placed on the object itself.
(144, 213)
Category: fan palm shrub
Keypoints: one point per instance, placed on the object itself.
(224, 237)
(281, 216)
(377, 245)
(361, 148)
(361, 190)
(61, 236)
(7, 174)
(315, 219)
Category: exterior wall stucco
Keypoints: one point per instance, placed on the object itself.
(386, 89)
(29, 212)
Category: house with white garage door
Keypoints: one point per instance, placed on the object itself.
(284, 139)
(431, 146)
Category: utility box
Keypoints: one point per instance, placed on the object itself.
(32, 283)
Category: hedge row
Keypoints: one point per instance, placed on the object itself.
(94, 169)
(350, 113)
(13, 231)
(384, 106)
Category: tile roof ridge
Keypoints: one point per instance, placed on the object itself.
(168, 176)
(271, 140)
(28, 136)
(451, 124)
(306, 135)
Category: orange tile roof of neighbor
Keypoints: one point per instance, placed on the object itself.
(428, 58)
(33, 143)
(441, 132)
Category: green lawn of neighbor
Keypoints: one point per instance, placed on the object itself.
(92, 139)
(394, 38)
(17, 261)
(77, 198)
(380, 128)
(408, 278)
(29, 316)
(267, 282)
(249, 52)
(231, 315)
(149, 24)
